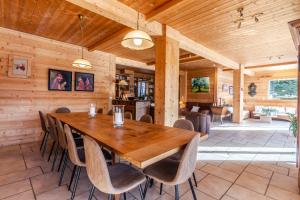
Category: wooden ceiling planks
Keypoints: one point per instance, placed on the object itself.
(211, 23)
(56, 20)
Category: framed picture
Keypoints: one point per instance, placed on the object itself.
(19, 66)
(200, 85)
(231, 90)
(59, 80)
(224, 87)
(84, 82)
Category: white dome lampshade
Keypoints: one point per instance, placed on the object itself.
(137, 40)
(82, 64)
(123, 83)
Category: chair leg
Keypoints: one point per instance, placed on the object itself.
(160, 189)
(141, 192)
(91, 193)
(61, 159)
(124, 196)
(45, 144)
(43, 140)
(192, 188)
(151, 183)
(72, 177)
(63, 170)
(146, 187)
(110, 197)
(55, 157)
(77, 175)
(176, 192)
(194, 177)
(50, 154)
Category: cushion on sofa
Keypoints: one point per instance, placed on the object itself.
(290, 110)
(195, 109)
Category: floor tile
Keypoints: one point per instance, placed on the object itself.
(240, 193)
(200, 195)
(14, 188)
(27, 195)
(281, 194)
(253, 182)
(220, 172)
(19, 175)
(285, 182)
(273, 167)
(55, 194)
(259, 171)
(234, 166)
(200, 175)
(214, 186)
(45, 182)
(226, 197)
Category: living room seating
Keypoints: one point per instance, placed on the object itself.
(276, 112)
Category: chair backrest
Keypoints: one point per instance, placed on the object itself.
(184, 124)
(146, 118)
(72, 150)
(96, 166)
(128, 115)
(188, 161)
(52, 128)
(62, 140)
(44, 122)
(110, 112)
(63, 110)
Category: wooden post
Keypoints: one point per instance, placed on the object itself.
(238, 94)
(298, 114)
(166, 80)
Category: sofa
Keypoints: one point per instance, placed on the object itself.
(277, 112)
(201, 117)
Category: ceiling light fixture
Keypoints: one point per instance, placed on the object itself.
(137, 39)
(81, 62)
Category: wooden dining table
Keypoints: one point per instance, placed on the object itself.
(139, 143)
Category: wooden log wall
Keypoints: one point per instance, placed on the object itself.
(21, 99)
(224, 77)
(261, 80)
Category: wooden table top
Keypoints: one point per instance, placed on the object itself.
(140, 143)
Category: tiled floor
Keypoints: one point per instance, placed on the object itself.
(250, 161)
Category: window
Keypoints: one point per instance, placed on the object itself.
(283, 89)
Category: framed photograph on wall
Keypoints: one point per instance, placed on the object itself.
(59, 80)
(19, 66)
(231, 90)
(224, 87)
(84, 82)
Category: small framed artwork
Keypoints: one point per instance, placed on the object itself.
(231, 90)
(224, 87)
(19, 66)
(84, 82)
(59, 80)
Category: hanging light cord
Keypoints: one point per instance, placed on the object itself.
(81, 29)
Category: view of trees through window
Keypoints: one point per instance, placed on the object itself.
(283, 89)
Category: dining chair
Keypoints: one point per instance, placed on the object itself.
(63, 110)
(76, 156)
(54, 136)
(114, 179)
(110, 112)
(174, 172)
(128, 115)
(146, 118)
(45, 129)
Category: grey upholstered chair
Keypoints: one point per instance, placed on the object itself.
(115, 179)
(76, 156)
(45, 128)
(172, 172)
(128, 115)
(63, 110)
(146, 118)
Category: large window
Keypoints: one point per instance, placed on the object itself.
(283, 89)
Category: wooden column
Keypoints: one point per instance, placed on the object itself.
(166, 80)
(238, 94)
(298, 118)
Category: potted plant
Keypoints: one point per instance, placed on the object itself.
(293, 124)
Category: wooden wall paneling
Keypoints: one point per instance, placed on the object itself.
(224, 77)
(21, 99)
(183, 86)
(166, 81)
(261, 80)
(201, 97)
(238, 94)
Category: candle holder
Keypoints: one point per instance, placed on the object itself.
(118, 115)
(92, 112)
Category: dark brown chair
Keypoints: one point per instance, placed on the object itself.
(128, 115)
(110, 112)
(45, 128)
(63, 110)
(146, 118)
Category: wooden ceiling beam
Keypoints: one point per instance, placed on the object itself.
(134, 64)
(271, 65)
(110, 40)
(191, 59)
(156, 13)
(295, 32)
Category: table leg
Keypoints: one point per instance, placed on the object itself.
(117, 197)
